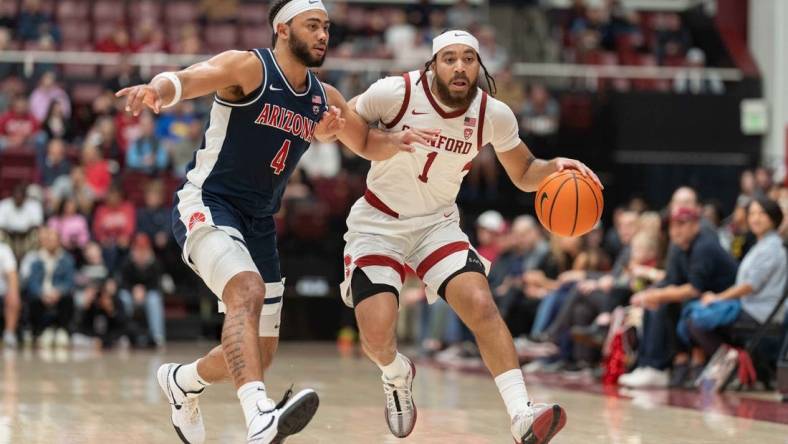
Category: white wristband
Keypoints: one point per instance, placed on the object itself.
(176, 82)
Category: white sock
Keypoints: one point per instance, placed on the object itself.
(512, 387)
(249, 394)
(398, 368)
(188, 379)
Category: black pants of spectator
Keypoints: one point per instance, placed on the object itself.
(518, 311)
(108, 327)
(710, 340)
(58, 315)
(659, 342)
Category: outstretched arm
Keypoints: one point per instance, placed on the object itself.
(232, 74)
(352, 130)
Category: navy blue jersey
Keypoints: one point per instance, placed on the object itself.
(251, 146)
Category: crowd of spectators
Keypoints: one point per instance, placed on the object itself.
(681, 279)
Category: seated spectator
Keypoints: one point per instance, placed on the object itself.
(93, 270)
(47, 92)
(50, 287)
(147, 154)
(489, 228)
(18, 127)
(71, 227)
(141, 292)
(33, 22)
(672, 38)
(540, 116)
(9, 294)
(154, 220)
(117, 42)
(96, 170)
(182, 151)
(56, 125)
(172, 125)
(759, 286)
(20, 215)
(6, 69)
(74, 186)
(696, 264)
(55, 162)
(694, 80)
(104, 137)
(128, 75)
(493, 55)
(527, 252)
(114, 224)
(511, 91)
(103, 316)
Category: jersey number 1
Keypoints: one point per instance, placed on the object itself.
(278, 164)
(430, 158)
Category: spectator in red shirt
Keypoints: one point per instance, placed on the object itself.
(118, 42)
(97, 173)
(18, 127)
(114, 224)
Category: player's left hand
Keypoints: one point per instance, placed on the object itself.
(562, 163)
(330, 124)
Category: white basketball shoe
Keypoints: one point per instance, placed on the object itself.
(538, 424)
(275, 422)
(186, 416)
(400, 410)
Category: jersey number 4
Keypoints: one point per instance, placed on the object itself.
(279, 162)
(430, 158)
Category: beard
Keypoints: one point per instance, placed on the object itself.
(455, 99)
(300, 50)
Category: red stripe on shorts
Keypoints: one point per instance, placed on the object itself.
(377, 260)
(438, 255)
(377, 203)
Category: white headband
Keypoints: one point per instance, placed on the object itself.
(454, 37)
(294, 8)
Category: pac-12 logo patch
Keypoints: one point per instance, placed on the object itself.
(196, 218)
(468, 133)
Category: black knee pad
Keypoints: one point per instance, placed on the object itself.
(472, 265)
(362, 288)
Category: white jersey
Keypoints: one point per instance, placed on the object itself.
(420, 183)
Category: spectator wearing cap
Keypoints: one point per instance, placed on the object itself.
(141, 294)
(759, 285)
(700, 265)
(489, 228)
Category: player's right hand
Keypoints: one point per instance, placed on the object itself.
(140, 96)
(406, 139)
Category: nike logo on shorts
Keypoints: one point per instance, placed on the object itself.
(274, 89)
(415, 113)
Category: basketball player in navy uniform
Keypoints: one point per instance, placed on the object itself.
(267, 109)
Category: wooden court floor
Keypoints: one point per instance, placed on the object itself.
(87, 397)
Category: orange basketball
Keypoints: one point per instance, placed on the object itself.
(568, 204)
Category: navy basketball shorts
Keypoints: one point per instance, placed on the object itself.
(218, 242)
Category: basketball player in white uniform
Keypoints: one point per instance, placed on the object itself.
(408, 216)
